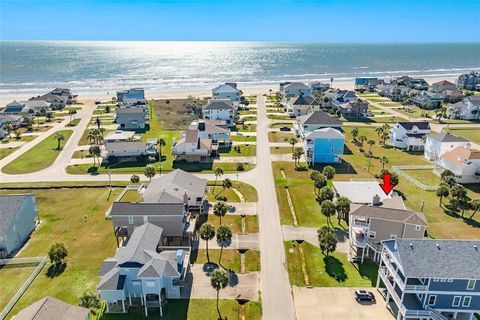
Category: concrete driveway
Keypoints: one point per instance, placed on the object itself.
(337, 303)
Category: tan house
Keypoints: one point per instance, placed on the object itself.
(369, 225)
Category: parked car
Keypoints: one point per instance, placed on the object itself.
(285, 129)
(364, 295)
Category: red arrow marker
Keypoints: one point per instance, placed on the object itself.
(387, 186)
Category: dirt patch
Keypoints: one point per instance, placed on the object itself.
(175, 114)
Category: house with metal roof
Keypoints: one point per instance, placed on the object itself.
(324, 145)
(370, 225)
(56, 101)
(49, 308)
(222, 110)
(409, 135)
(293, 89)
(143, 273)
(316, 120)
(437, 144)
(431, 279)
(17, 221)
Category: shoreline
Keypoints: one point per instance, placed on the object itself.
(248, 89)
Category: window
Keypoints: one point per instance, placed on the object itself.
(432, 300)
(443, 280)
(372, 234)
(145, 219)
(471, 284)
(393, 236)
(150, 284)
(449, 280)
(435, 280)
(417, 228)
(456, 301)
(130, 220)
(466, 301)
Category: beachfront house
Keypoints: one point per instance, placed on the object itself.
(131, 149)
(137, 94)
(469, 81)
(26, 107)
(367, 84)
(9, 122)
(439, 143)
(431, 278)
(370, 225)
(318, 86)
(463, 161)
(316, 120)
(442, 85)
(227, 91)
(55, 101)
(133, 118)
(295, 89)
(50, 308)
(17, 221)
(409, 136)
(193, 148)
(221, 110)
(324, 146)
(207, 129)
(467, 109)
(143, 273)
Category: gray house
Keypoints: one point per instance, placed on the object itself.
(17, 221)
(370, 225)
(142, 273)
(50, 308)
(431, 279)
(132, 117)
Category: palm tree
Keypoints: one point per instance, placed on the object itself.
(98, 122)
(329, 172)
(293, 141)
(224, 238)
(297, 155)
(354, 133)
(72, 115)
(343, 208)
(220, 209)
(326, 193)
(95, 152)
(379, 131)
(160, 143)
(135, 179)
(207, 232)
(362, 139)
(370, 144)
(442, 191)
(460, 197)
(219, 280)
(92, 137)
(218, 173)
(149, 172)
(8, 128)
(327, 208)
(475, 206)
(226, 184)
(327, 240)
(384, 161)
(320, 182)
(59, 137)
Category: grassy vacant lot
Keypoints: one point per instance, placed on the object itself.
(279, 117)
(20, 139)
(92, 239)
(131, 196)
(174, 115)
(84, 138)
(246, 128)
(248, 191)
(332, 271)
(283, 124)
(471, 134)
(7, 151)
(242, 138)
(39, 157)
(231, 259)
(280, 136)
(238, 151)
(12, 279)
(424, 176)
(196, 309)
(355, 165)
(280, 150)
(235, 222)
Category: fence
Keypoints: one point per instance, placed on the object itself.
(398, 169)
(39, 261)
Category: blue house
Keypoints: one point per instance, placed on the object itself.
(324, 146)
(17, 221)
(431, 279)
(296, 89)
(227, 91)
(143, 273)
(137, 94)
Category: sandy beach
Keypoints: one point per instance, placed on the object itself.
(183, 93)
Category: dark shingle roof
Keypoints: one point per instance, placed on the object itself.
(319, 117)
(218, 105)
(450, 259)
(130, 110)
(144, 208)
(423, 125)
(383, 213)
(304, 100)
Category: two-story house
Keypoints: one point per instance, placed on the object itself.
(324, 146)
(17, 221)
(467, 109)
(370, 225)
(143, 273)
(132, 117)
(207, 129)
(409, 135)
(318, 86)
(355, 109)
(316, 120)
(131, 149)
(131, 94)
(302, 105)
(439, 143)
(294, 89)
(55, 101)
(463, 161)
(193, 148)
(227, 91)
(431, 279)
(442, 85)
(219, 110)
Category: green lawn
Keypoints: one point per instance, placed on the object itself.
(467, 133)
(250, 118)
(231, 259)
(39, 157)
(246, 128)
(131, 196)
(62, 213)
(280, 136)
(279, 125)
(279, 117)
(332, 271)
(7, 151)
(12, 278)
(242, 138)
(248, 191)
(234, 222)
(426, 176)
(22, 138)
(238, 151)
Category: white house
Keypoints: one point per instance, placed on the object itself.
(302, 105)
(463, 162)
(131, 148)
(227, 91)
(467, 109)
(439, 143)
(219, 110)
(208, 130)
(193, 148)
(409, 135)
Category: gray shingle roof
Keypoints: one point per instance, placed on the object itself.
(423, 125)
(112, 280)
(325, 133)
(319, 117)
(164, 264)
(144, 238)
(130, 110)
(451, 259)
(446, 137)
(297, 86)
(125, 145)
(10, 205)
(49, 308)
(149, 209)
(218, 105)
(405, 216)
(304, 100)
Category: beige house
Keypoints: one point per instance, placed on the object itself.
(369, 225)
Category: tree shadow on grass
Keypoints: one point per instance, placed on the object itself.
(56, 270)
(335, 269)
(368, 270)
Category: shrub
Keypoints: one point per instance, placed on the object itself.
(240, 167)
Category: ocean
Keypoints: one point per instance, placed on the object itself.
(31, 67)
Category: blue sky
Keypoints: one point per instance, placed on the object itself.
(285, 20)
